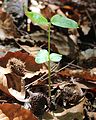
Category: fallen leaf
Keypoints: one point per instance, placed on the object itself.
(3, 79)
(16, 112)
(49, 10)
(92, 115)
(63, 44)
(7, 27)
(67, 114)
(14, 73)
(87, 54)
(37, 103)
(15, 7)
(10, 81)
(85, 74)
(18, 95)
(31, 50)
(3, 116)
(29, 60)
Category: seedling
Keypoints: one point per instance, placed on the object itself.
(44, 55)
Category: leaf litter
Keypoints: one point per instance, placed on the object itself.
(24, 83)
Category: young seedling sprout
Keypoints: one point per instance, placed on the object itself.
(44, 55)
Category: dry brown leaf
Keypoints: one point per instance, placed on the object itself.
(18, 95)
(88, 54)
(75, 109)
(93, 71)
(16, 112)
(15, 7)
(10, 81)
(7, 27)
(3, 79)
(67, 114)
(3, 116)
(13, 76)
(32, 50)
(63, 44)
(29, 61)
(49, 10)
(92, 114)
(86, 84)
(85, 74)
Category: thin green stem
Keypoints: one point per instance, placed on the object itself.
(49, 69)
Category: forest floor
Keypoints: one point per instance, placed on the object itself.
(24, 87)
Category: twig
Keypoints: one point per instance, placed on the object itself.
(76, 66)
(51, 74)
(54, 67)
(60, 69)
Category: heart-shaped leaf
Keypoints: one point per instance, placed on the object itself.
(55, 57)
(37, 18)
(63, 21)
(42, 56)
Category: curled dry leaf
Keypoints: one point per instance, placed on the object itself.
(30, 74)
(63, 44)
(92, 115)
(3, 116)
(85, 74)
(75, 112)
(3, 80)
(49, 10)
(15, 7)
(31, 50)
(16, 112)
(14, 70)
(7, 27)
(10, 80)
(87, 54)
(18, 95)
(29, 61)
(71, 94)
(38, 103)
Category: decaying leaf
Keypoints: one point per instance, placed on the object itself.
(15, 72)
(3, 116)
(10, 80)
(31, 50)
(7, 27)
(63, 44)
(15, 7)
(18, 95)
(89, 53)
(16, 112)
(85, 74)
(70, 94)
(92, 115)
(38, 103)
(19, 71)
(75, 112)
(24, 57)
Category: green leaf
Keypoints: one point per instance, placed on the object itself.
(37, 18)
(42, 56)
(55, 57)
(63, 21)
